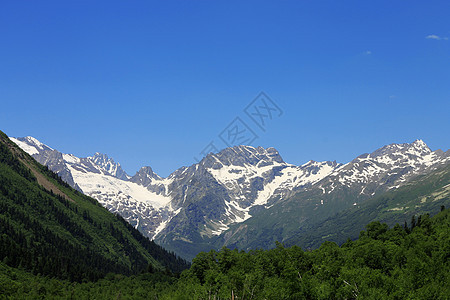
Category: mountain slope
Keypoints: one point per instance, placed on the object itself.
(139, 199)
(425, 194)
(49, 228)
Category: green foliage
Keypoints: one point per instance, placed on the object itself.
(385, 263)
(16, 283)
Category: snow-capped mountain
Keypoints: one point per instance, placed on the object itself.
(394, 163)
(222, 195)
(346, 186)
(257, 178)
(48, 157)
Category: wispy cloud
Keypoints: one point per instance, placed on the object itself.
(435, 37)
(368, 52)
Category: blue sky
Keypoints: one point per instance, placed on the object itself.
(154, 82)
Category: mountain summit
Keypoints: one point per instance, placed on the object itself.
(109, 166)
(243, 155)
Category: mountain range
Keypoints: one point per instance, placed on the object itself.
(243, 196)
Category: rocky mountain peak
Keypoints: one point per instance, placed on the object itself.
(417, 148)
(145, 176)
(241, 156)
(109, 165)
(421, 146)
(33, 141)
(102, 159)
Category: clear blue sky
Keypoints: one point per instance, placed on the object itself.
(153, 82)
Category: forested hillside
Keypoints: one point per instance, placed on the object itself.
(48, 228)
(403, 262)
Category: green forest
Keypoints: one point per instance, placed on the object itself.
(409, 261)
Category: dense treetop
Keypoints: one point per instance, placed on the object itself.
(402, 262)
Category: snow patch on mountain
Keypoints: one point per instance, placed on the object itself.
(95, 184)
(71, 159)
(25, 147)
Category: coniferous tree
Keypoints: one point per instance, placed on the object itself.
(413, 222)
(405, 226)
